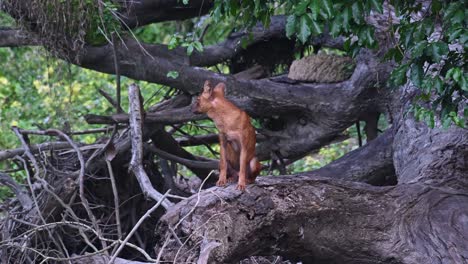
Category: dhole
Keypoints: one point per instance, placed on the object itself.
(236, 136)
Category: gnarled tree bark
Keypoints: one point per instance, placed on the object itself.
(314, 219)
(332, 215)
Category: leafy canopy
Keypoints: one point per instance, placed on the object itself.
(430, 42)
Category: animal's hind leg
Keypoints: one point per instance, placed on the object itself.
(253, 170)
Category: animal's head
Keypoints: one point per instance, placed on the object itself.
(204, 102)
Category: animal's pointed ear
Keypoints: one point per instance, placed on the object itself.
(220, 89)
(207, 85)
(207, 89)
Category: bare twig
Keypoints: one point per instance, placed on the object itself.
(115, 104)
(198, 140)
(11, 153)
(83, 198)
(117, 74)
(206, 250)
(93, 131)
(205, 144)
(161, 250)
(190, 163)
(36, 176)
(136, 166)
(137, 225)
(196, 204)
(61, 202)
(20, 192)
(116, 198)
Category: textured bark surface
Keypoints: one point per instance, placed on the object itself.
(401, 198)
(323, 220)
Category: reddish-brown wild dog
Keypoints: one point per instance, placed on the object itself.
(236, 136)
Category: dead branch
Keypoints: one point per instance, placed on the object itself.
(137, 225)
(81, 177)
(11, 153)
(136, 166)
(168, 117)
(198, 140)
(117, 74)
(31, 157)
(116, 198)
(212, 165)
(10, 37)
(20, 193)
(111, 100)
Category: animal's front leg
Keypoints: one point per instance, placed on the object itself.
(222, 161)
(243, 169)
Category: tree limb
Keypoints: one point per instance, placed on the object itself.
(11, 153)
(136, 166)
(20, 193)
(10, 37)
(212, 165)
(372, 163)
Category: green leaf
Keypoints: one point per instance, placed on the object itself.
(464, 37)
(301, 8)
(377, 5)
(395, 54)
(416, 75)
(464, 82)
(315, 26)
(398, 76)
(217, 13)
(366, 36)
(357, 12)
(439, 85)
(315, 7)
(427, 27)
(418, 49)
(370, 37)
(451, 9)
(173, 74)
(437, 50)
(173, 43)
(455, 34)
(304, 29)
(328, 8)
(455, 74)
(347, 44)
(335, 27)
(198, 46)
(245, 41)
(408, 36)
(290, 26)
(458, 17)
(346, 16)
(190, 49)
(436, 6)
(233, 7)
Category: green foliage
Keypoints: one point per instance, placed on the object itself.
(83, 21)
(439, 72)
(428, 59)
(102, 22)
(41, 92)
(324, 156)
(173, 74)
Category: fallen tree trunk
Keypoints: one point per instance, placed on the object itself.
(314, 219)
